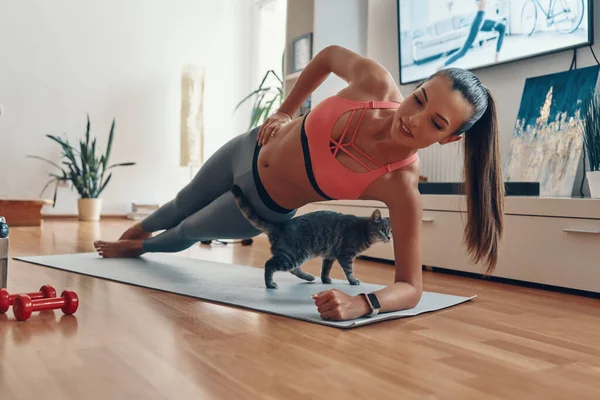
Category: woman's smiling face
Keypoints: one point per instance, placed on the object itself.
(431, 114)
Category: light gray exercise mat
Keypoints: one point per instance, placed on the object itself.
(231, 284)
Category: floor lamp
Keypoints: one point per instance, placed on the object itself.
(192, 118)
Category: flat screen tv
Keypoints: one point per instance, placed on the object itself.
(472, 34)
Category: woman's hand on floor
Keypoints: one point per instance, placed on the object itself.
(271, 126)
(334, 305)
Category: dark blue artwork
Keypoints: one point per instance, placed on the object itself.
(547, 143)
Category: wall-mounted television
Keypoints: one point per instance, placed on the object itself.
(472, 34)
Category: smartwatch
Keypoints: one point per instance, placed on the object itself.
(373, 303)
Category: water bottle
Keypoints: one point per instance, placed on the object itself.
(3, 253)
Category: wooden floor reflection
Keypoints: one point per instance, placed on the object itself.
(126, 342)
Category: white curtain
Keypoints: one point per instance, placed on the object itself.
(192, 116)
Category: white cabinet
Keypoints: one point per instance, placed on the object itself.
(552, 241)
(553, 251)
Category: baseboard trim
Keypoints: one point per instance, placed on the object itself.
(508, 281)
(75, 216)
(516, 282)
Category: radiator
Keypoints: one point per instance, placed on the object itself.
(443, 163)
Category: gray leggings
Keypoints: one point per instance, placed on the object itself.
(206, 210)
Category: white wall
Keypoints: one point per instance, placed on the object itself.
(122, 59)
(340, 22)
(506, 81)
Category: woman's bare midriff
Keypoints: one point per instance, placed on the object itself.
(282, 170)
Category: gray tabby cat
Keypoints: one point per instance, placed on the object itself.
(327, 234)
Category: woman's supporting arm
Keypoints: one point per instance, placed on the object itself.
(406, 214)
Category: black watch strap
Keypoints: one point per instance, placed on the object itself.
(373, 302)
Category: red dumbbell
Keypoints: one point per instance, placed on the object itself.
(6, 300)
(23, 306)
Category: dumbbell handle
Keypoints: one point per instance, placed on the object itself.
(48, 304)
(32, 296)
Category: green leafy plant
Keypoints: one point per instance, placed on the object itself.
(83, 167)
(591, 131)
(267, 97)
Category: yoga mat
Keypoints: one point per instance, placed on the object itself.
(236, 285)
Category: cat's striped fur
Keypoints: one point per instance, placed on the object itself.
(326, 234)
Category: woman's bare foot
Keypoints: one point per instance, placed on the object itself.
(122, 248)
(135, 232)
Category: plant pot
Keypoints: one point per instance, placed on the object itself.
(89, 209)
(593, 178)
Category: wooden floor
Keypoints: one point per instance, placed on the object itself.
(132, 343)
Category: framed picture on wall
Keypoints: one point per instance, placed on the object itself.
(301, 51)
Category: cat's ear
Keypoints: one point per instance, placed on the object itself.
(376, 216)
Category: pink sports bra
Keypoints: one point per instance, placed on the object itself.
(331, 179)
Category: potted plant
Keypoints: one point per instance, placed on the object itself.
(85, 169)
(591, 143)
(266, 98)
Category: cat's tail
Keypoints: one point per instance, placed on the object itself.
(249, 212)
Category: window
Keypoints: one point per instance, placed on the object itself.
(271, 25)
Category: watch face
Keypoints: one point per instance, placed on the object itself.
(374, 300)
